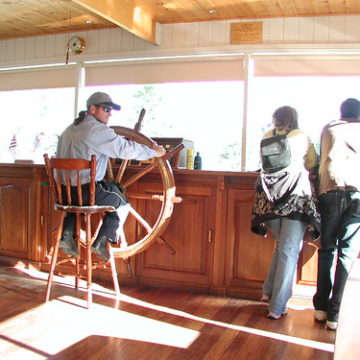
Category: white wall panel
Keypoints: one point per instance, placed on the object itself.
(20, 49)
(29, 48)
(290, 30)
(127, 41)
(190, 40)
(337, 29)
(276, 31)
(266, 27)
(205, 34)
(50, 47)
(39, 47)
(178, 35)
(104, 41)
(219, 32)
(352, 29)
(2, 51)
(92, 41)
(115, 40)
(187, 37)
(10, 50)
(321, 29)
(305, 30)
(60, 42)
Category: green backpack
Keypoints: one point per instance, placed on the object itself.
(275, 153)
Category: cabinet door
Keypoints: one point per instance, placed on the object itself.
(248, 255)
(15, 226)
(189, 233)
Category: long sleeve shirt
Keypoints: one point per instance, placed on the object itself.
(91, 137)
(340, 156)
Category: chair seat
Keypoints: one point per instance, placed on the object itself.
(92, 209)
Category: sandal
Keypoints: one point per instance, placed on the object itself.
(274, 316)
(265, 298)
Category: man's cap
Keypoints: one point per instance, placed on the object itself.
(99, 98)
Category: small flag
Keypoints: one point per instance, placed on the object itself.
(13, 145)
(36, 142)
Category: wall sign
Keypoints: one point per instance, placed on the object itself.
(246, 32)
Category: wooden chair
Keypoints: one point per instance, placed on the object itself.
(62, 168)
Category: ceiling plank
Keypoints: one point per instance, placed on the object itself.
(126, 14)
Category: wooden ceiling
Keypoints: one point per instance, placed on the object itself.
(23, 18)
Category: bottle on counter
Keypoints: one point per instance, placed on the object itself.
(190, 159)
(197, 162)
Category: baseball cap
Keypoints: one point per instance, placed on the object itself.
(99, 98)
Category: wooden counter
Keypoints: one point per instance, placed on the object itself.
(215, 251)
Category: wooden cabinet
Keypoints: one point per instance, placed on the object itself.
(207, 246)
(248, 255)
(19, 213)
(190, 234)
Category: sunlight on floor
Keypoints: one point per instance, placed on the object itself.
(106, 321)
(277, 336)
(79, 323)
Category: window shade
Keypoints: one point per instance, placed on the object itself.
(160, 72)
(286, 66)
(39, 78)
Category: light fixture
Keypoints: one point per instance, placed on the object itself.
(212, 11)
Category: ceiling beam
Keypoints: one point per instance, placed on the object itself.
(124, 13)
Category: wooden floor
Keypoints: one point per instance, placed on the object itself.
(149, 324)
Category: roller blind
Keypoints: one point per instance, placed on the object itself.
(160, 72)
(39, 78)
(305, 65)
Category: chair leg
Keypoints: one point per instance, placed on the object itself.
(88, 260)
(114, 272)
(54, 258)
(77, 241)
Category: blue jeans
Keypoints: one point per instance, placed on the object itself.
(279, 282)
(340, 243)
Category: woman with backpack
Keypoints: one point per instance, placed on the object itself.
(284, 203)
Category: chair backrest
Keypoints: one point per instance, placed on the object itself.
(60, 173)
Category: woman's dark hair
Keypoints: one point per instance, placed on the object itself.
(286, 115)
(80, 117)
(350, 108)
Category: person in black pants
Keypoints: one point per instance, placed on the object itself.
(89, 135)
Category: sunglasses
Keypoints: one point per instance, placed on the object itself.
(105, 108)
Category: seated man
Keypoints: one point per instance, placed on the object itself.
(89, 135)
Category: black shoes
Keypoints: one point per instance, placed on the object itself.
(67, 244)
(100, 247)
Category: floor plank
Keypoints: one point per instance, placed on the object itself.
(148, 324)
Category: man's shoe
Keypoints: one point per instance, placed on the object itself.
(320, 315)
(67, 244)
(100, 247)
(331, 325)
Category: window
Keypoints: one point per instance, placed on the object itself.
(314, 86)
(207, 113)
(35, 117)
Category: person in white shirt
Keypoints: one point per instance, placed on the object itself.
(88, 135)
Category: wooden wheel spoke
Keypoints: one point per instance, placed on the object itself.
(150, 167)
(141, 220)
(124, 163)
(158, 197)
(139, 175)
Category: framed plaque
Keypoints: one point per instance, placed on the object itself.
(246, 32)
